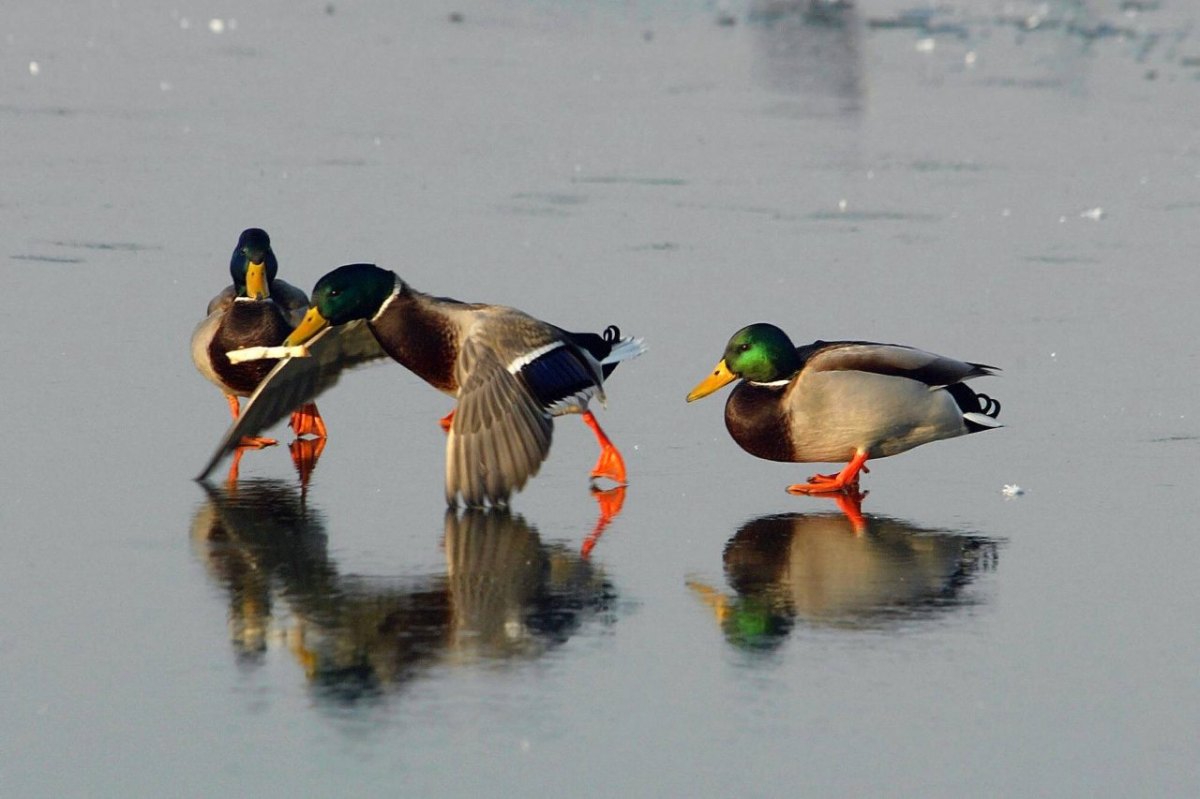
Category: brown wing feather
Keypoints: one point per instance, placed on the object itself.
(499, 437)
(890, 359)
(295, 381)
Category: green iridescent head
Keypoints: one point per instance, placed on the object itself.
(761, 353)
(353, 291)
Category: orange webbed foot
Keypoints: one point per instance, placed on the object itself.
(845, 481)
(307, 421)
(256, 442)
(610, 465)
(446, 421)
(235, 465)
(247, 442)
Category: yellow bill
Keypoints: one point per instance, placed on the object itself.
(721, 376)
(256, 281)
(312, 324)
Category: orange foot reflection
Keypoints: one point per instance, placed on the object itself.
(305, 454)
(610, 503)
(849, 502)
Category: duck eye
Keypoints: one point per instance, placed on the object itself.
(744, 348)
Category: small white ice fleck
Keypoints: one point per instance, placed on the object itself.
(926, 45)
(1013, 491)
(1093, 214)
(34, 68)
(842, 205)
(216, 25)
(970, 58)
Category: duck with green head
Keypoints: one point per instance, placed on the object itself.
(257, 309)
(842, 401)
(510, 373)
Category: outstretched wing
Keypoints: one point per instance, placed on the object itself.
(500, 433)
(295, 381)
(890, 359)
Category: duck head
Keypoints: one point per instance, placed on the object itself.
(353, 291)
(253, 266)
(760, 353)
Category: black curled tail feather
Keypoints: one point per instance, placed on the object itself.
(599, 345)
(990, 405)
(980, 406)
(612, 334)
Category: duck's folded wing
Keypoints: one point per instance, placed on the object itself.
(295, 381)
(293, 300)
(890, 359)
(500, 434)
(222, 300)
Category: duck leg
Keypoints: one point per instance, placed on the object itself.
(307, 421)
(231, 478)
(446, 421)
(254, 442)
(610, 464)
(846, 479)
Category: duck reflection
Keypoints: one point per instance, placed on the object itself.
(811, 49)
(504, 595)
(840, 571)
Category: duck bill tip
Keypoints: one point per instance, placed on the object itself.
(312, 324)
(720, 376)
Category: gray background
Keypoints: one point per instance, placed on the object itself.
(1008, 182)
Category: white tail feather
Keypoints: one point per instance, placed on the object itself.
(625, 349)
(981, 419)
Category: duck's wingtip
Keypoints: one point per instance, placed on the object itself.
(212, 464)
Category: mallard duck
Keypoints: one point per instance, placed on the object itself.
(511, 374)
(836, 401)
(258, 309)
